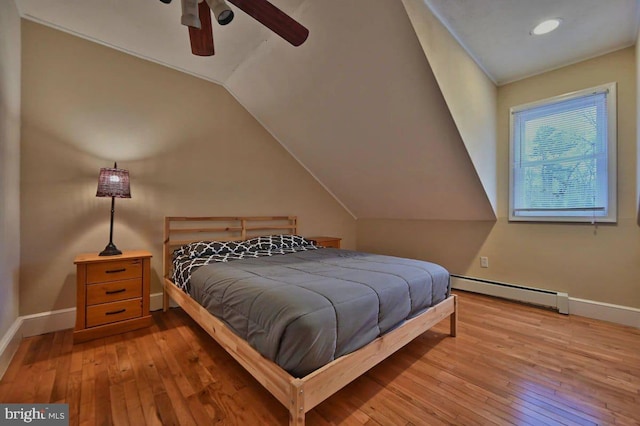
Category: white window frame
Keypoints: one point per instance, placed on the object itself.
(611, 216)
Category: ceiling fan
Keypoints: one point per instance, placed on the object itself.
(196, 14)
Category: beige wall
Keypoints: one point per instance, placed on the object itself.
(9, 163)
(638, 127)
(191, 149)
(470, 95)
(597, 263)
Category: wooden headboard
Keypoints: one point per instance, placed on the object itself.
(181, 230)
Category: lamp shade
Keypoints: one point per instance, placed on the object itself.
(113, 182)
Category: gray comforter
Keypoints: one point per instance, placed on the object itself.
(302, 310)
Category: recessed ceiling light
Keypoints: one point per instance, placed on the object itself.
(546, 26)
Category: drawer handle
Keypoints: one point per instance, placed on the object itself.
(115, 291)
(119, 311)
(113, 271)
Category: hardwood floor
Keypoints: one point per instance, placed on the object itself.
(510, 364)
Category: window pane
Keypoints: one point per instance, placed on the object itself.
(569, 184)
(560, 157)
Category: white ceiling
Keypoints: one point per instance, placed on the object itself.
(494, 32)
(358, 104)
(497, 32)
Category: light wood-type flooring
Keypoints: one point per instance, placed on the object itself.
(510, 364)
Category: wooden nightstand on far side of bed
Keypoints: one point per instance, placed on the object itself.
(112, 294)
(332, 242)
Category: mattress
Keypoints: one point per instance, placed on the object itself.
(302, 307)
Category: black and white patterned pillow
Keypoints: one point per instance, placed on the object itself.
(209, 248)
(274, 242)
(292, 241)
(263, 243)
(179, 252)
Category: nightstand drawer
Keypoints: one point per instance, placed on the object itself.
(112, 312)
(114, 271)
(114, 291)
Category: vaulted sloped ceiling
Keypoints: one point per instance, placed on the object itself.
(469, 92)
(358, 104)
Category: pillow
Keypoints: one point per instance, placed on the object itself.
(274, 242)
(261, 243)
(291, 241)
(264, 243)
(179, 252)
(209, 248)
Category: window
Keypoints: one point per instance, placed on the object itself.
(563, 158)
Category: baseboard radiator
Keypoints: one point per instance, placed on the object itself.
(535, 296)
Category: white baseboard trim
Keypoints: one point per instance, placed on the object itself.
(9, 345)
(624, 315)
(155, 304)
(618, 314)
(48, 322)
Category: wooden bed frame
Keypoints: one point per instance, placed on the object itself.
(299, 395)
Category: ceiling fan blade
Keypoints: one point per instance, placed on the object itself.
(202, 39)
(274, 19)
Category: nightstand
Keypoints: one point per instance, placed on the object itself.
(332, 242)
(112, 294)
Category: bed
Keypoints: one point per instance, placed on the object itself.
(258, 277)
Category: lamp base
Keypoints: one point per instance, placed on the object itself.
(110, 250)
